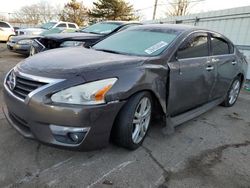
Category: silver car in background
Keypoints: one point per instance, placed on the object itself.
(6, 31)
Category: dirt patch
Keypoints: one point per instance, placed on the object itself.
(200, 166)
(234, 116)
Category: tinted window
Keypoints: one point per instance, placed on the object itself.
(62, 25)
(48, 25)
(140, 42)
(196, 46)
(2, 24)
(231, 48)
(71, 26)
(52, 31)
(219, 46)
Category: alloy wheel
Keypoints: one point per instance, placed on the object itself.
(141, 119)
(234, 92)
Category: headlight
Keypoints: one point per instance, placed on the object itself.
(89, 94)
(26, 41)
(72, 43)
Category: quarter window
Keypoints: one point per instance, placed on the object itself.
(71, 25)
(219, 46)
(194, 47)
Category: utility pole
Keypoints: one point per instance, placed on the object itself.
(155, 7)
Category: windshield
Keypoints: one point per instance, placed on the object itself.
(137, 42)
(52, 31)
(101, 28)
(48, 25)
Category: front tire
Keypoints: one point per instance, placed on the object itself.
(133, 121)
(233, 93)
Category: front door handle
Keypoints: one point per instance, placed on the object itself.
(234, 62)
(210, 68)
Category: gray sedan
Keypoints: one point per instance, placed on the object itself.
(82, 98)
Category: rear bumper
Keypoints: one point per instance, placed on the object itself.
(34, 119)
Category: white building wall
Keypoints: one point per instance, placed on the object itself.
(233, 23)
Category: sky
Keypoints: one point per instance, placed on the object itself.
(144, 7)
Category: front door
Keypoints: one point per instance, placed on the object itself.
(192, 75)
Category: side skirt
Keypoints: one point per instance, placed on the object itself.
(172, 122)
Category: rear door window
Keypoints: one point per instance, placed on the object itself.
(195, 46)
(220, 46)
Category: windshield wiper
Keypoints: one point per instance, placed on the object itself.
(109, 51)
(94, 33)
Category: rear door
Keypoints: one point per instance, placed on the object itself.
(192, 74)
(224, 58)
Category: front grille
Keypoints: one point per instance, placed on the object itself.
(24, 86)
(21, 123)
(18, 120)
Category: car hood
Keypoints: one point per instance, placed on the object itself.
(65, 63)
(23, 37)
(75, 35)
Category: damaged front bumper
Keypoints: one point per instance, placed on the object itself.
(71, 126)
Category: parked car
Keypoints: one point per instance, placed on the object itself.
(47, 26)
(85, 37)
(80, 98)
(15, 29)
(21, 44)
(6, 31)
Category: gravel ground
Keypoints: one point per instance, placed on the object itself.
(212, 150)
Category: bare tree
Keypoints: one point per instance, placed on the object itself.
(179, 7)
(48, 12)
(36, 13)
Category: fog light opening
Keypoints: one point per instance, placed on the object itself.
(74, 137)
(68, 135)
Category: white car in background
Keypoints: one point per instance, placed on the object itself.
(6, 31)
(47, 26)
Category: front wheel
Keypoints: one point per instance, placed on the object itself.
(133, 121)
(233, 93)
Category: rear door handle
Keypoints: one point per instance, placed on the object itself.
(234, 62)
(210, 68)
